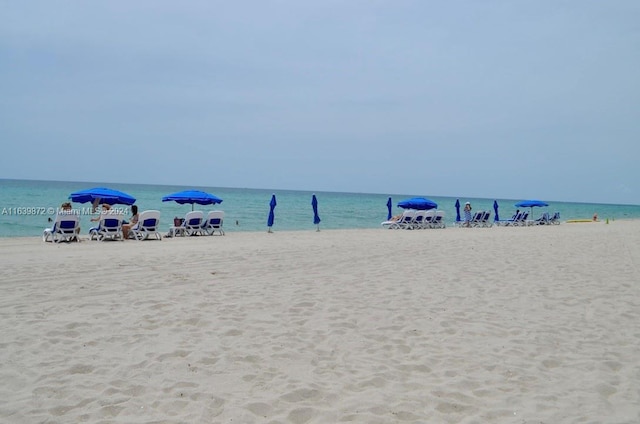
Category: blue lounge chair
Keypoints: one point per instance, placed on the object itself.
(66, 227)
(191, 226)
(555, 219)
(109, 228)
(213, 223)
(147, 225)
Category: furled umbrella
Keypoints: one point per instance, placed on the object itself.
(457, 210)
(495, 209)
(271, 218)
(192, 197)
(389, 206)
(102, 195)
(316, 217)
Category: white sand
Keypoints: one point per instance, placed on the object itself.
(498, 325)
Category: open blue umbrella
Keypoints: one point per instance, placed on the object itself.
(272, 206)
(419, 203)
(102, 195)
(458, 210)
(316, 218)
(495, 209)
(192, 197)
(389, 206)
(531, 204)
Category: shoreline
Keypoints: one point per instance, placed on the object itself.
(362, 325)
(85, 237)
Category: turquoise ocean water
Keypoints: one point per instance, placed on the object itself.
(26, 206)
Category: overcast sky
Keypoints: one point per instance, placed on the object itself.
(496, 99)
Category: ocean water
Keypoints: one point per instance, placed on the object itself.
(27, 205)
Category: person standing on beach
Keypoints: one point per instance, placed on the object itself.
(467, 214)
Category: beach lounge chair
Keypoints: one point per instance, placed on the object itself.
(419, 220)
(521, 220)
(109, 228)
(429, 218)
(148, 222)
(213, 223)
(191, 226)
(485, 220)
(514, 221)
(393, 222)
(475, 221)
(66, 227)
(555, 219)
(543, 220)
(407, 220)
(438, 220)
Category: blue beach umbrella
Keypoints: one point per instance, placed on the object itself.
(102, 195)
(458, 210)
(389, 206)
(495, 209)
(272, 206)
(531, 204)
(192, 197)
(419, 203)
(316, 218)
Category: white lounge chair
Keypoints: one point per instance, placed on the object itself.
(213, 223)
(514, 221)
(520, 220)
(475, 220)
(485, 220)
(147, 225)
(192, 225)
(438, 220)
(543, 220)
(66, 227)
(419, 220)
(429, 218)
(109, 227)
(407, 220)
(407, 216)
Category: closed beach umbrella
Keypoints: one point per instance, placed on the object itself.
(458, 210)
(316, 217)
(389, 206)
(192, 197)
(495, 209)
(272, 206)
(102, 195)
(419, 203)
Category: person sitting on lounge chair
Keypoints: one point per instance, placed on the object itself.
(105, 210)
(134, 220)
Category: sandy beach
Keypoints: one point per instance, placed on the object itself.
(495, 325)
